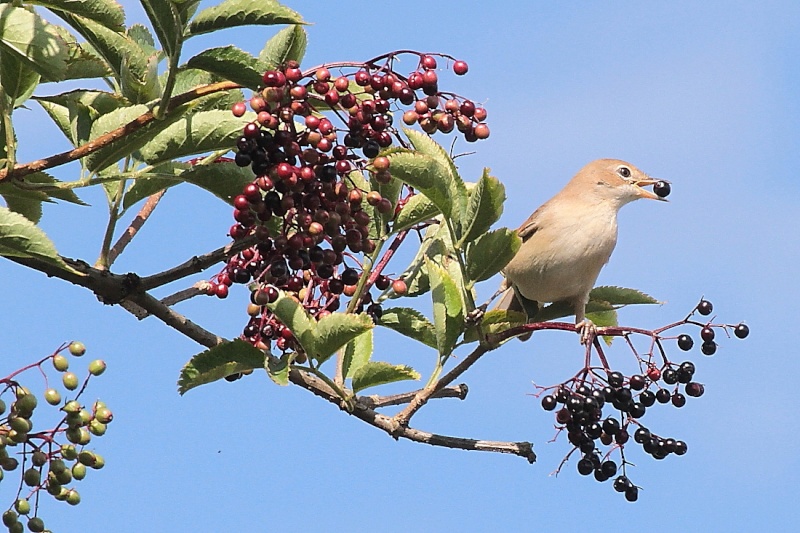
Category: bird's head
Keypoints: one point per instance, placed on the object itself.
(617, 181)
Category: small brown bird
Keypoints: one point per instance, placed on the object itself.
(566, 242)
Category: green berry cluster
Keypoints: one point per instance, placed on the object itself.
(50, 460)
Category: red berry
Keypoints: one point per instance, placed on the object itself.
(460, 67)
(221, 291)
(323, 74)
(428, 62)
(238, 109)
(399, 287)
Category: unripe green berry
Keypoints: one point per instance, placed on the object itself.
(79, 471)
(32, 477)
(104, 415)
(70, 380)
(36, 524)
(69, 452)
(53, 488)
(2, 407)
(77, 348)
(99, 461)
(64, 477)
(97, 367)
(17, 437)
(26, 402)
(16, 528)
(19, 424)
(60, 362)
(85, 417)
(10, 518)
(52, 396)
(22, 506)
(97, 428)
(38, 458)
(87, 458)
(57, 465)
(9, 464)
(73, 497)
(72, 407)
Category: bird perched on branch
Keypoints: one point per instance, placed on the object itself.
(566, 242)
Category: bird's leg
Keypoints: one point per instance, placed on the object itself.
(475, 316)
(585, 327)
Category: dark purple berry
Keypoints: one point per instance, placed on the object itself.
(695, 389)
(705, 307)
(741, 331)
(685, 343)
(707, 334)
(549, 403)
(678, 399)
(709, 348)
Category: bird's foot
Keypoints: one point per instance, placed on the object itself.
(476, 315)
(587, 331)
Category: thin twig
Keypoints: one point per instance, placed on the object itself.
(135, 226)
(376, 402)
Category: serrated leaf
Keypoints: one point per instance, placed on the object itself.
(74, 112)
(448, 308)
(220, 361)
(25, 204)
(224, 180)
(114, 47)
(337, 329)
(18, 79)
(490, 252)
(416, 273)
(106, 12)
(230, 63)
(197, 133)
(418, 209)
(149, 183)
(232, 13)
(374, 373)
(140, 34)
(496, 321)
(621, 296)
(288, 44)
(33, 41)
(484, 206)
(420, 172)
(65, 195)
(411, 323)
(357, 353)
(140, 87)
(19, 237)
(167, 24)
(291, 313)
(278, 368)
(84, 64)
(445, 172)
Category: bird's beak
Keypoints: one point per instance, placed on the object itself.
(644, 193)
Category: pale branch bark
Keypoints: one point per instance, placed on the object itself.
(135, 225)
(175, 320)
(104, 140)
(375, 402)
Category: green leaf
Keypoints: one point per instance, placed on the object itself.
(114, 47)
(18, 80)
(563, 309)
(495, 321)
(374, 373)
(197, 133)
(445, 171)
(230, 63)
(160, 178)
(220, 361)
(490, 252)
(287, 44)
(82, 63)
(604, 319)
(105, 12)
(448, 308)
(232, 13)
(225, 180)
(141, 35)
(411, 323)
(26, 203)
(621, 296)
(33, 41)
(420, 172)
(66, 195)
(74, 112)
(357, 353)
(484, 207)
(140, 88)
(19, 237)
(294, 316)
(278, 368)
(336, 330)
(418, 209)
(167, 24)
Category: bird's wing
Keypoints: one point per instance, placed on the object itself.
(529, 227)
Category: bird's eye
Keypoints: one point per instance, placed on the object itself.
(625, 172)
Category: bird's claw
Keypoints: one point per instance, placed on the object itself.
(476, 315)
(587, 331)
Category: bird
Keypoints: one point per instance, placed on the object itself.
(568, 240)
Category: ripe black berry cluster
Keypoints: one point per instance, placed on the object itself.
(46, 463)
(315, 150)
(601, 407)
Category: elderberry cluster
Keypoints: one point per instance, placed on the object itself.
(603, 407)
(315, 201)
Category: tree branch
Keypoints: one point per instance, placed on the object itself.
(104, 140)
(135, 226)
(376, 402)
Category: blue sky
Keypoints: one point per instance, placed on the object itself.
(704, 95)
